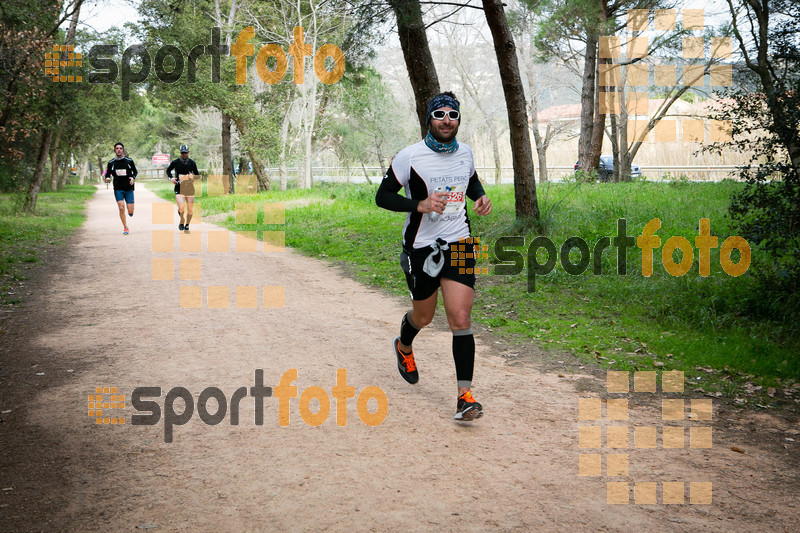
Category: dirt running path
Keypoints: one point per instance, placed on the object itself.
(98, 313)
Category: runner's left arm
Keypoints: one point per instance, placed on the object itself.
(474, 188)
(475, 192)
(133, 170)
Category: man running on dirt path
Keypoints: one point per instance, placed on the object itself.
(123, 171)
(184, 190)
(438, 174)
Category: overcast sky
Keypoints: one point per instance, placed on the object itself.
(104, 14)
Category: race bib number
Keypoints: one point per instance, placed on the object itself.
(455, 198)
(122, 172)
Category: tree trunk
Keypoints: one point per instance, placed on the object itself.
(498, 166)
(73, 24)
(624, 163)
(541, 152)
(307, 177)
(379, 153)
(282, 173)
(258, 168)
(615, 152)
(83, 170)
(588, 84)
(533, 109)
(309, 96)
(539, 143)
(366, 175)
(54, 159)
(525, 203)
(227, 24)
(29, 204)
(227, 162)
(599, 126)
(417, 55)
(67, 168)
(598, 130)
(622, 154)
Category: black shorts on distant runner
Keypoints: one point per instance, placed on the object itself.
(185, 188)
(422, 285)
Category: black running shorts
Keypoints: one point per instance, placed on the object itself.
(185, 188)
(422, 285)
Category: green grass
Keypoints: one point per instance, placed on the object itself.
(24, 237)
(623, 322)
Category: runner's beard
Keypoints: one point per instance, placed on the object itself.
(441, 139)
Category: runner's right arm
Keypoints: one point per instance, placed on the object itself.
(169, 170)
(387, 196)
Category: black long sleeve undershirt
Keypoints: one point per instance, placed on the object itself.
(387, 196)
(474, 188)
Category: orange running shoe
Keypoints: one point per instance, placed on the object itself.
(405, 363)
(468, 408)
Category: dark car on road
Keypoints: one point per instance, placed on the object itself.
(606, 169)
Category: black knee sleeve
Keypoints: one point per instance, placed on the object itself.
(464, 356)
(407, 330)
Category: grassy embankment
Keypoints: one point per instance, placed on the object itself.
(24, 238)
(622, 322)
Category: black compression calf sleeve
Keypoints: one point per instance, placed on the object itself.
(464, 356)
(407, 330)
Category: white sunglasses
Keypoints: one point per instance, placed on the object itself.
(440, 114)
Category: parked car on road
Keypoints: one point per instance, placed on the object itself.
(606, 169)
